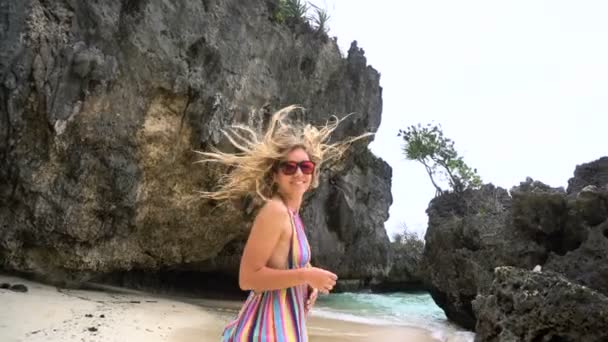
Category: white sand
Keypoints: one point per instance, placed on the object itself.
(46, 313)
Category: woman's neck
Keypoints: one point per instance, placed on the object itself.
(293, 203)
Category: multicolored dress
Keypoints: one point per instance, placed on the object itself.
(277, 315)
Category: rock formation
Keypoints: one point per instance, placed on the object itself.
(471, 234)
(531, 306)
(103, 103)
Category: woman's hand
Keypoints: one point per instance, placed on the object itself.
(312, 298)
(320, 279)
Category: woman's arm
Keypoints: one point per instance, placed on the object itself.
(271, 221)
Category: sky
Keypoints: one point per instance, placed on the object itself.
(520, 86)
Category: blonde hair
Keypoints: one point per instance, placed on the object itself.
(252, 167)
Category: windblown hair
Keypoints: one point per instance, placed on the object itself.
(252, 167)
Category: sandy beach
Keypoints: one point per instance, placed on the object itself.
(47, 313)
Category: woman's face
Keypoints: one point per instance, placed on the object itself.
(297, 183)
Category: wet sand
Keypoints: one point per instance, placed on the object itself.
(47, 313)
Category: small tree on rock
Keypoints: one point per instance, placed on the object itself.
(428, 145)
(405, 236)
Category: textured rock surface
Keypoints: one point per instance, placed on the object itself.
(405, 272)
(528, 306)
(102, 103)
(594, 173)
(471, 234)
(358, 196)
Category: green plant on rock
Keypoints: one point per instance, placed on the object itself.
(409, 239)
(428, 145)
(320, 19)
(291, 9)
(278, 15)
(296, 11)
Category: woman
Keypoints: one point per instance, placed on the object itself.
(278, 168)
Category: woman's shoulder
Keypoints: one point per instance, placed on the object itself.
(274, 207)
(271, 216)
(273, 212)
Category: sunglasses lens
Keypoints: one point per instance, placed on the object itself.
(289, 168)
(307, 167)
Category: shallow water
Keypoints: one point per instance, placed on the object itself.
(407, 309)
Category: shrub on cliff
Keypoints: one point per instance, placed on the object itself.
(409, 240)
(428, 145)
(296, 11)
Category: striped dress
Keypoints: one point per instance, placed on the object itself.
(277, 315)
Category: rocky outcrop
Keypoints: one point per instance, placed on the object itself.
(468, 235)
(358, 196)
(404, 271)
(401, 273)
(472, 233)
(102, 104)
(594, 173)
(528, 306)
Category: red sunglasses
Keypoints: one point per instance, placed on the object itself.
(290, 167)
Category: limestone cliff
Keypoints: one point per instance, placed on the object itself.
(102, 104)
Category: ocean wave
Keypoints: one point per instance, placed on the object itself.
(342, 316)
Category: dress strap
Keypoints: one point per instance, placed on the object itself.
(291, 262)
(292, 218)
(292, 241)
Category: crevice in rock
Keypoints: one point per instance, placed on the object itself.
(217, 285)
(183, 114)
(307, 66)
(201, 53)
(206, 5)
(131, 7)
(6, 122)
